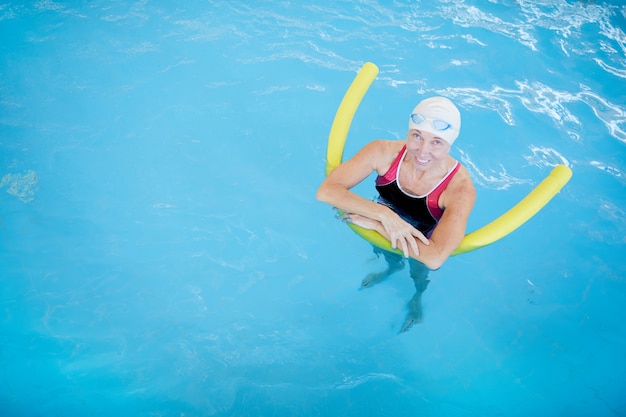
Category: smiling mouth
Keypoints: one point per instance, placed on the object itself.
(422, 161)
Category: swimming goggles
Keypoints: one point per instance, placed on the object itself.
(438, 124)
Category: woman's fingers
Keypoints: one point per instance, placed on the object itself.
(398, 242)
(421, 237)
(414, 246)
(402, 243)
(402, 235)
(405, 249)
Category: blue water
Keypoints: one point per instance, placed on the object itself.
(162, 253)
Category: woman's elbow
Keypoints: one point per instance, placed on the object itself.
(326, 193)
(435, 264)
(434, 261)
(321, 194)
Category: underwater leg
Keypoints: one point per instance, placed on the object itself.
(419, 274)
(395, 263)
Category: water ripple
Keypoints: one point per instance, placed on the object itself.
(496, 181)
(541, 98)
(350, 382)
(545, 157)
(470, 16)
(610, 69)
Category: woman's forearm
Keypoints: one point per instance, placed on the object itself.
(429, 255)
(347, 201)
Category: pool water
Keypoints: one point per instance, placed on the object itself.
(162, 252)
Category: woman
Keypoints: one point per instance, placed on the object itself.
(425, 199)
(426, 196)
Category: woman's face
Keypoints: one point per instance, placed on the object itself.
(426, 149)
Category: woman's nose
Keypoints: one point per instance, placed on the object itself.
(422, 148)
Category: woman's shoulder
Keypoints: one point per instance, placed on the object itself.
(383, 152)
(385, 146)
(462, 182)
(460, 193)
(462, 173)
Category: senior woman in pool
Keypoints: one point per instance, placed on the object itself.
(425, 195)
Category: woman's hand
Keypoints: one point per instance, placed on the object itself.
(400, 233)
(362, 221)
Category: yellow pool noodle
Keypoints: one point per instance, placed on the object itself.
(495, 230)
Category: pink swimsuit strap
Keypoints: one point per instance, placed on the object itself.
(433, 196)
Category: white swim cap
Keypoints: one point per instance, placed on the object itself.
(439, 116)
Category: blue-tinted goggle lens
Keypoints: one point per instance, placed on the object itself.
(419, 118)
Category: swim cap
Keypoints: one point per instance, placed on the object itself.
(439, 116)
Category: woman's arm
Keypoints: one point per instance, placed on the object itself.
(450, 230)
(458, 201)
(335, 190)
